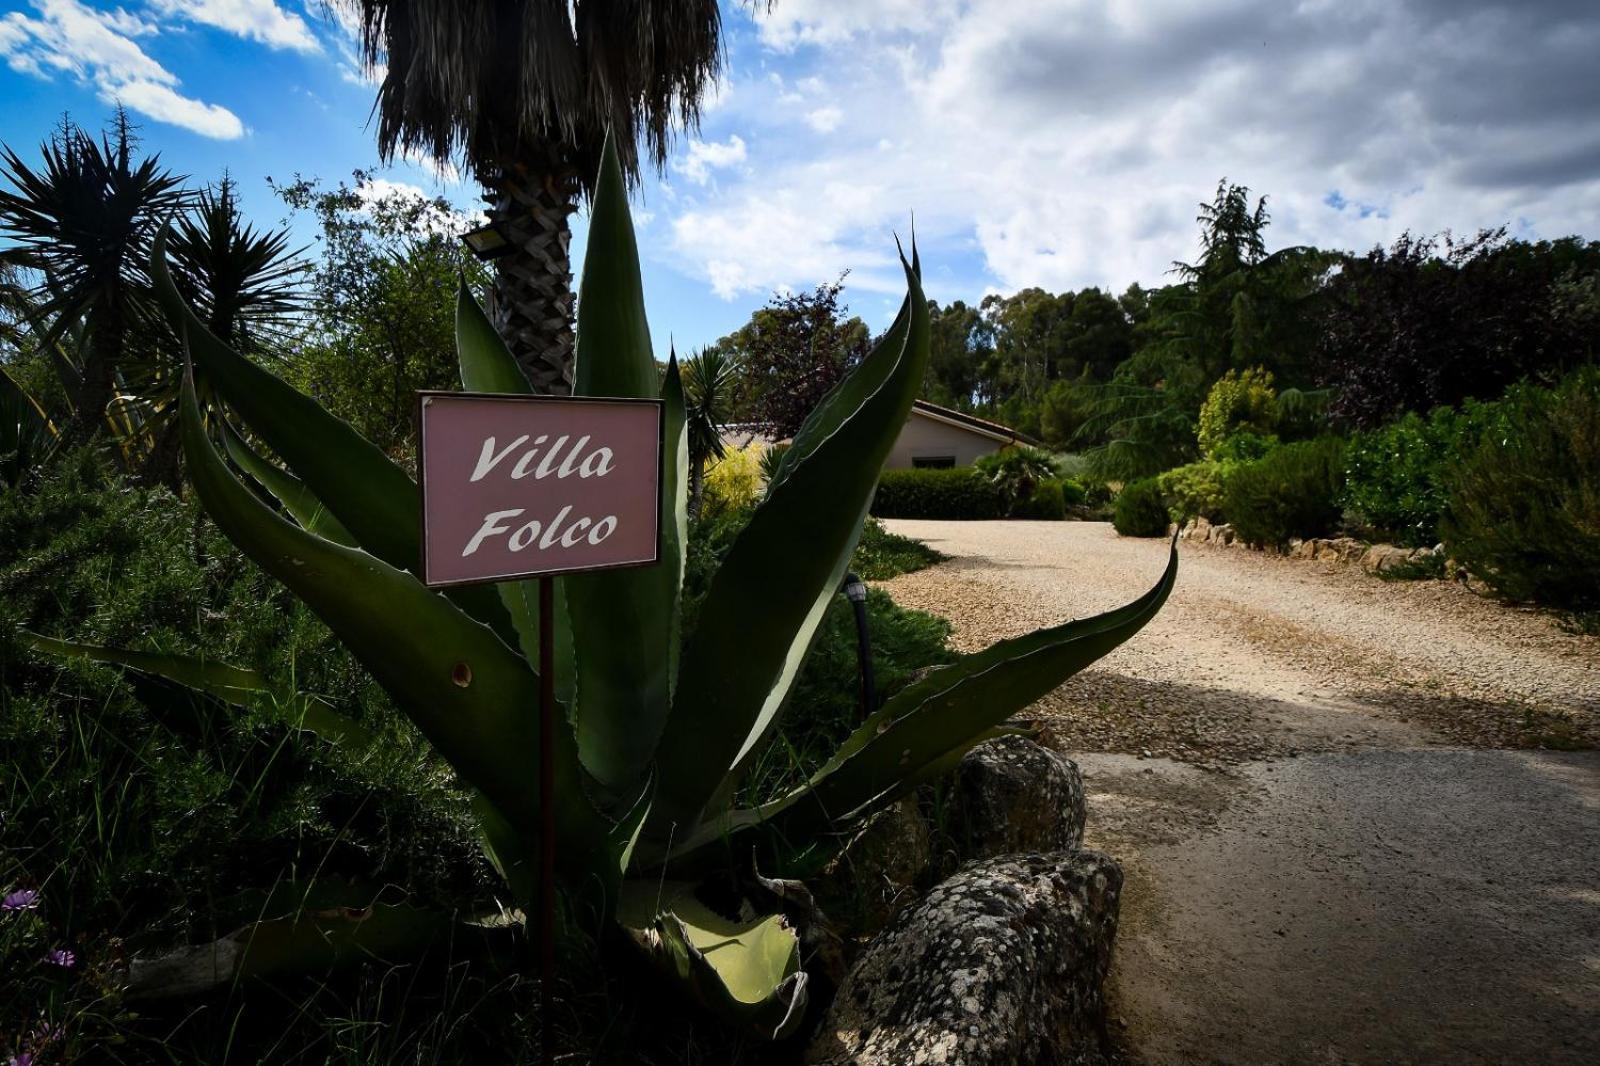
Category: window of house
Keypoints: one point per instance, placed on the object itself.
(933, 462)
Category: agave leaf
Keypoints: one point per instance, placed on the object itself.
(375, 500)
(675, 502)
(487, 365)
(945, 711)
(769, 594)
(233, 685)
(744, 970)
(469, 694)
(623, 621)
(286, 489)
(26, 433)
(309, 942)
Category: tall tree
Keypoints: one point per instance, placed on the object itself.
(1434, 321)
(960, 344)
(525, 91)
(85, 218)
(381, 321)
(793, 351)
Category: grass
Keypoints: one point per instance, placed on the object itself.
(882, 555)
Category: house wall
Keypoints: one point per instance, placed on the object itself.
(928, 437)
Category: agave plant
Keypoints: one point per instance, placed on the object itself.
(656, 724)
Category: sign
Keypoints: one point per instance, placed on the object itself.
(519, 486)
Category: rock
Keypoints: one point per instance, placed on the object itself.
(1202, 528)
(1222, 534)
(1305, 549)
(1012, 795)
(1381, 558)
(875, 875)
(1001, 965)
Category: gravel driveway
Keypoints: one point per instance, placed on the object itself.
(1347, 835)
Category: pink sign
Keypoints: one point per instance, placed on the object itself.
(517, 486)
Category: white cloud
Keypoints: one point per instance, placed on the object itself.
(824, 119)
(1067, 144)
(704, 157)
(97, 48)
(792, 23)
(255, 20)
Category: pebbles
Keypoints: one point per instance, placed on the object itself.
(1258, 656)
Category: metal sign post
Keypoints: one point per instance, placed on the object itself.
(517, 487)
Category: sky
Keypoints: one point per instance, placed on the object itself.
(1057, 143)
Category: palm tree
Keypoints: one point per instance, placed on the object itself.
(85, 219)
(525, 91)
(708, 378)
(243, 282)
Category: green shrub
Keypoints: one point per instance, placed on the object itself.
(126, 804)
(1194, 491)
(1047, 502)
(733, 482)
(959, 492)
(1140, 510)
(1236, 402)
(1245, 446)
(1016, 472)
(881, 555)
(1073, 492)
(1524, 510)
(1396, 476)
(1293, 492)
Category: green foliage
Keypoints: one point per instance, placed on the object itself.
(1245, 446)
(1196, 490)
(1397, 476)
(960, 492)
(128, 799)
(1524, 511)
(734, 482)
(1016, 471)
(1073, 492)
(1236, 402)
(381, 321)
(1140, 510)
(771, 459)
(880, 555)
(1047, 501)
(1293, 491)
(791, 353)
(1065, 409)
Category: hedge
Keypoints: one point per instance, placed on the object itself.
(955, 492)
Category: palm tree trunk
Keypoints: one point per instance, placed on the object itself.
(97, 382)
(533, 299)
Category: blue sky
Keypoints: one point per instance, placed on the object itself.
(1062, 143)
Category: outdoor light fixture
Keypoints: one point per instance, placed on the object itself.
(855, 590)
(486, 242)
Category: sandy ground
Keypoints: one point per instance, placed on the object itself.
(1350, 827)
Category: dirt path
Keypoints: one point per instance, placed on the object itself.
(1333, 853)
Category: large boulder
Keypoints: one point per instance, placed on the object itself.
(1381, 558)
(1000, 965)
(1012, 794)
(875, 875)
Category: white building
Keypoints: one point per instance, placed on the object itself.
(933, 436)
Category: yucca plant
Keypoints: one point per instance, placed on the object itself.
(660, 723)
